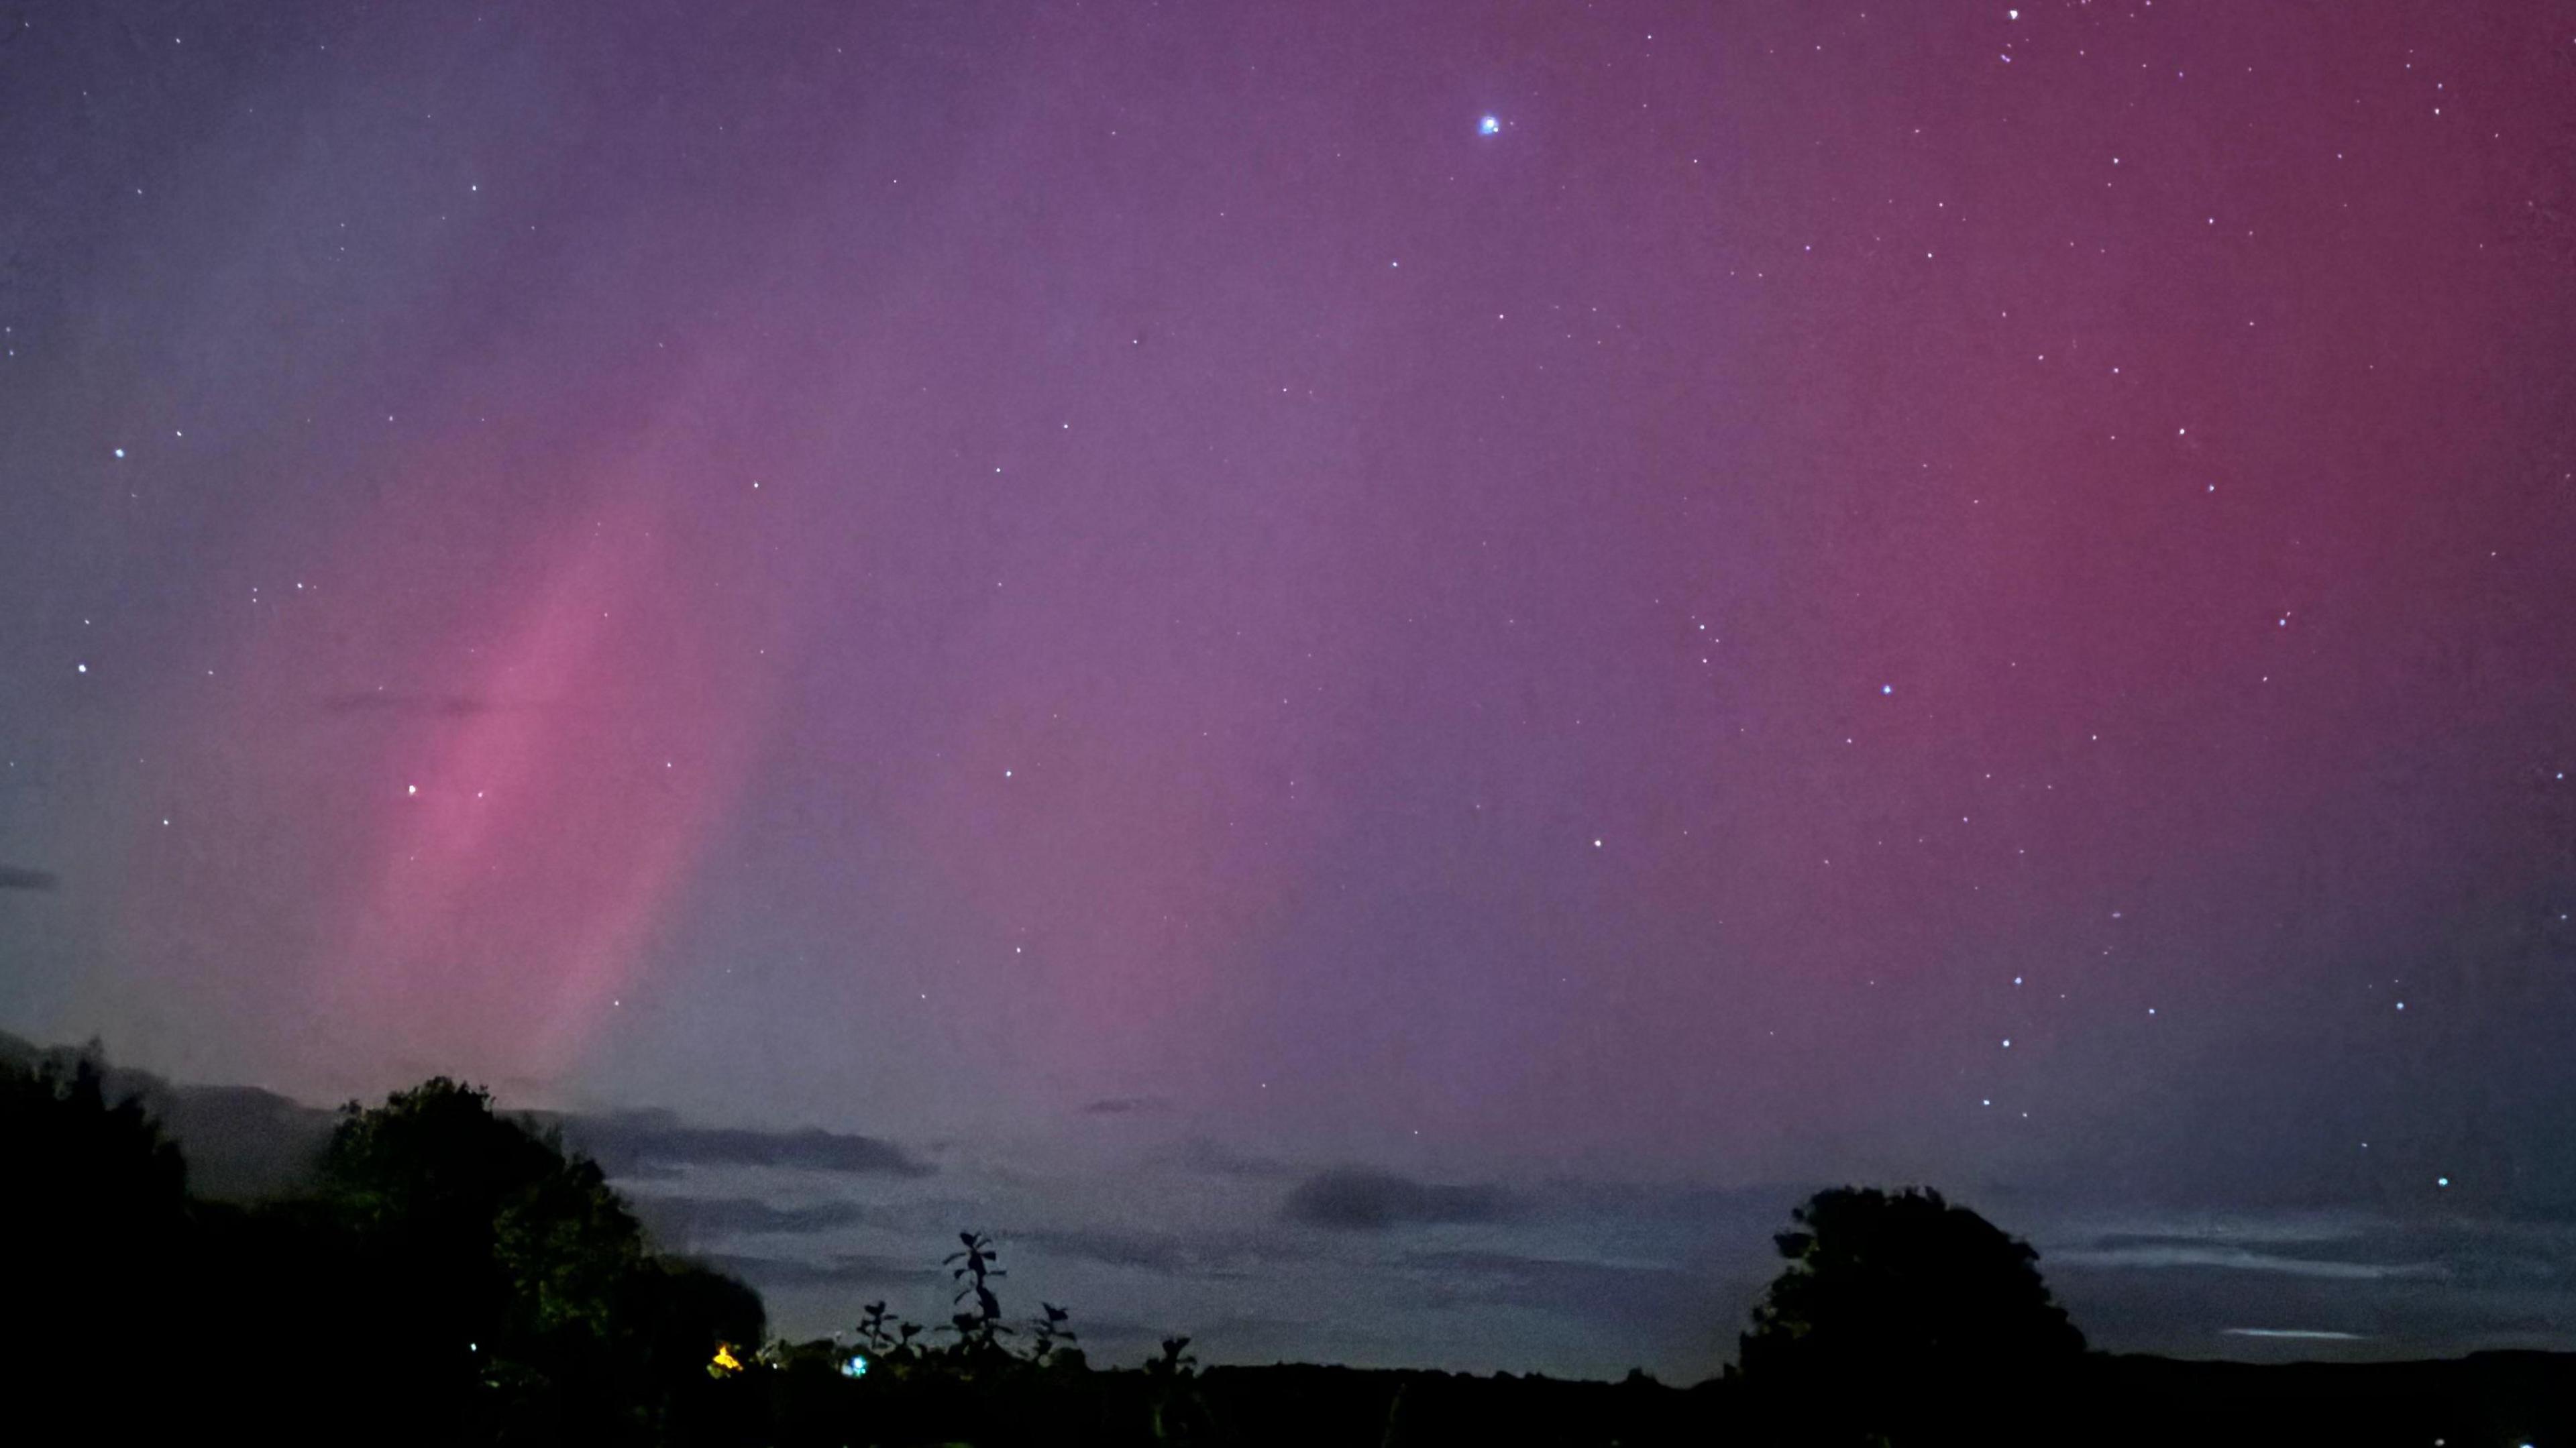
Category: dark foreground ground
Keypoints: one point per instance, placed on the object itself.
(2501, 1399)
(2492, 1400)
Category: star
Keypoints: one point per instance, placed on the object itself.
(1489, 126)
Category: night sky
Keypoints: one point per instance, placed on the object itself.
(1371, 674)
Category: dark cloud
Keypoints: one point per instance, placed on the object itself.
(377, 701)
(1636, 1295)
(19, 877)
(1124, 1105)
(1354, 1199)
(1153, 1252)
(854, 1270)
(1214, 1255)
(648, 1143)
(1203, 1155)
(683, 1220)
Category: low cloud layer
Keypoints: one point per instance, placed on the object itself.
(647, 1143)
(2239, 1259)
(244, 1142)
(1354, 1199)
(1224, 1253)
(2312, 1284)
(849, 1271)
(1198, 1154)
(1570, 1274)
(1123, 1106)
(682, 1220)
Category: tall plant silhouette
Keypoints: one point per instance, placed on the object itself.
(1175, 1411)
(979, 1327)
(1050, 1332)
(1176, 1363)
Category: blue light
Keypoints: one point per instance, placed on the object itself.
(1489, 126)
(856, 1367)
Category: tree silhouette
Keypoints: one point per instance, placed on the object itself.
(521, 1294)
(96, 1236)
(1902, 1318)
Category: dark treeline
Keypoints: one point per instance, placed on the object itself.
(453, 1276)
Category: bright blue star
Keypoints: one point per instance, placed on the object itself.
(1489, 126)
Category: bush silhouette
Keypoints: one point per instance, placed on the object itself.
(1902, 1318)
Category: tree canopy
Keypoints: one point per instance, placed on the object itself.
(528, 1289)
(96, 1224)
(1899, 1312)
